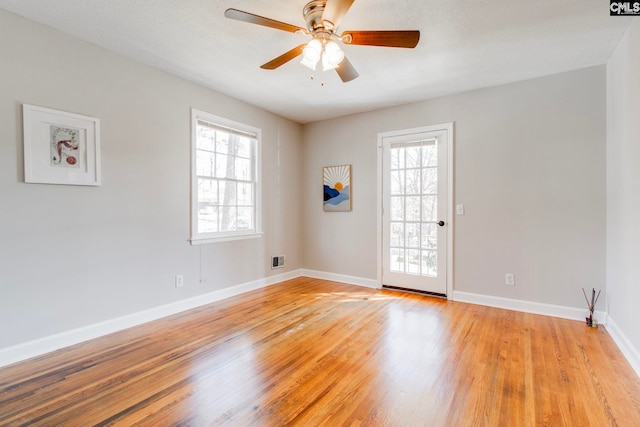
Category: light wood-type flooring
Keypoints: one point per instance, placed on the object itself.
(309, 352)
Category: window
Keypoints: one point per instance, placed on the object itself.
(225, 184)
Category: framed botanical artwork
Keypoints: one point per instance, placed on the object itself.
(337, 188)
(60, 147)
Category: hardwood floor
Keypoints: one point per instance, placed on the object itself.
(309, 352)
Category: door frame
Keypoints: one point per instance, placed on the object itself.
(450, 193)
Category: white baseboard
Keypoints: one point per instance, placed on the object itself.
(625, 346)
(350, 280)
(560, 311)
(44, 345)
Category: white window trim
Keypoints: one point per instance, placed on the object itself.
(204, 238)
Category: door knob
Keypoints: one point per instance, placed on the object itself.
(440, 223)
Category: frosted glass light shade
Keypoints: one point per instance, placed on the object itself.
(311, 54)
(332, 56)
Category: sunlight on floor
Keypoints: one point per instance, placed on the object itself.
(355, 296)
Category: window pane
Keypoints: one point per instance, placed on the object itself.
(397, 158)
(245, 194)
(222, 142)
(413, 235)
(207, 218)
(413, 261)
(205, 163)
(429, 208)
(243, 169)
(228, 218)
(244, 147)
(429, 242)
(397, 234)
(228, 192)
(205, 139)
(430, 181)
(245, 218)
(413, 181)
(429, 263)
(397, 208)
(397, 260)
(208, 191)
(221, 165)
(412, 157)
(413, 208)
(397, 182)
(429, 238)
(429, 230)
(430, 155)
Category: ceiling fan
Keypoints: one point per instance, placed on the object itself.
(322, 18)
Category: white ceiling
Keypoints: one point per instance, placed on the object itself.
(464, 45)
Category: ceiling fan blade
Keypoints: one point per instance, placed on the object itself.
(408, 39)
(284, 58)
(346, 71)
(261, 20)
(335, 10)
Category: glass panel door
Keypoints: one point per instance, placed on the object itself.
(414, 197)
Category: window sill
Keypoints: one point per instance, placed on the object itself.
(208, 240)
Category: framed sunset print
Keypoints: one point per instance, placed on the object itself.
(337, 188)
(60, 147)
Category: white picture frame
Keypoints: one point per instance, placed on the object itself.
(60, 147)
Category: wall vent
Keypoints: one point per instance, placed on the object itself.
(277, 262)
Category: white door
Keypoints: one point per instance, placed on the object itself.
(414, 215)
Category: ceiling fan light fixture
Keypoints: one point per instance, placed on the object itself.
(311, 54)
(323, 19)
(332, 56)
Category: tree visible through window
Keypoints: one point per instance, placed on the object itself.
(225, 185)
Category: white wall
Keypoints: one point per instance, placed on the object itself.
(72, 256)
(529, 167)
(623, 192)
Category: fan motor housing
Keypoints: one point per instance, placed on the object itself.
(312, 13)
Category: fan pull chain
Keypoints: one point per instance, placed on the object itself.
(313, 77)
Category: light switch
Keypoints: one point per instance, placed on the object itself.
(460, 209)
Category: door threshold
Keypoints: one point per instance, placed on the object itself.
(415, 291)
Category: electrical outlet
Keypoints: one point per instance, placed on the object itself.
(179, 281)
(510, 279)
